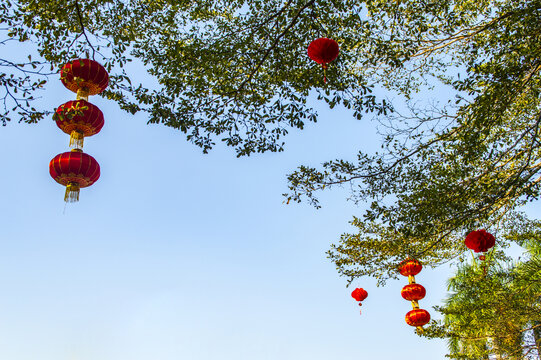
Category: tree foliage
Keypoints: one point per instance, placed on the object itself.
(447, 168)
(494, 310)
(234, 71)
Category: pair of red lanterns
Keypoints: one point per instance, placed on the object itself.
(79, 119)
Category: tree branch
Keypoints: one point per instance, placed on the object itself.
(80, 17)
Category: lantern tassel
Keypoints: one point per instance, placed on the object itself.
(324, 66)
(72, 192)
(76, 139)
(82, 94)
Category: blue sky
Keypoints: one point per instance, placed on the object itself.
(174, 254)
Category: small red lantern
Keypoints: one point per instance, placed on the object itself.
(417, 317)
(359, 294)
(84, 77)
(410, 267)
(79, 118)
(323, 51)
(480, 240)
(75, 170)
(413, 292)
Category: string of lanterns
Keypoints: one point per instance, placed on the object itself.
(414, 292)
(79, 118)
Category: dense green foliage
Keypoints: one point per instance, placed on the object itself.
(229, 70)
(494, 310)
(450, 168)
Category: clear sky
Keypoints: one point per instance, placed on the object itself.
(174, 254)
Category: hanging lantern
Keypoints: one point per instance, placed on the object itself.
(323, 51)
(413, 292)
(410, 268)
(417, 317)
(480, 240)
(359, 294)
(84, 77)
(75, 170)
(79, 119)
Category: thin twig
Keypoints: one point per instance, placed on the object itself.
(269, 50)
(80, 17)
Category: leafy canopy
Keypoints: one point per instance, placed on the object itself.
(235, 71)
(494, 309)
(446, 168)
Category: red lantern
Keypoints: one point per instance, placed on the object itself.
(84, 77)
(75, 170)
(323, 51)
(413, 292)
(410, 267)
(480, 240)
(359, 294)
(417, 317)
(79, 118)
